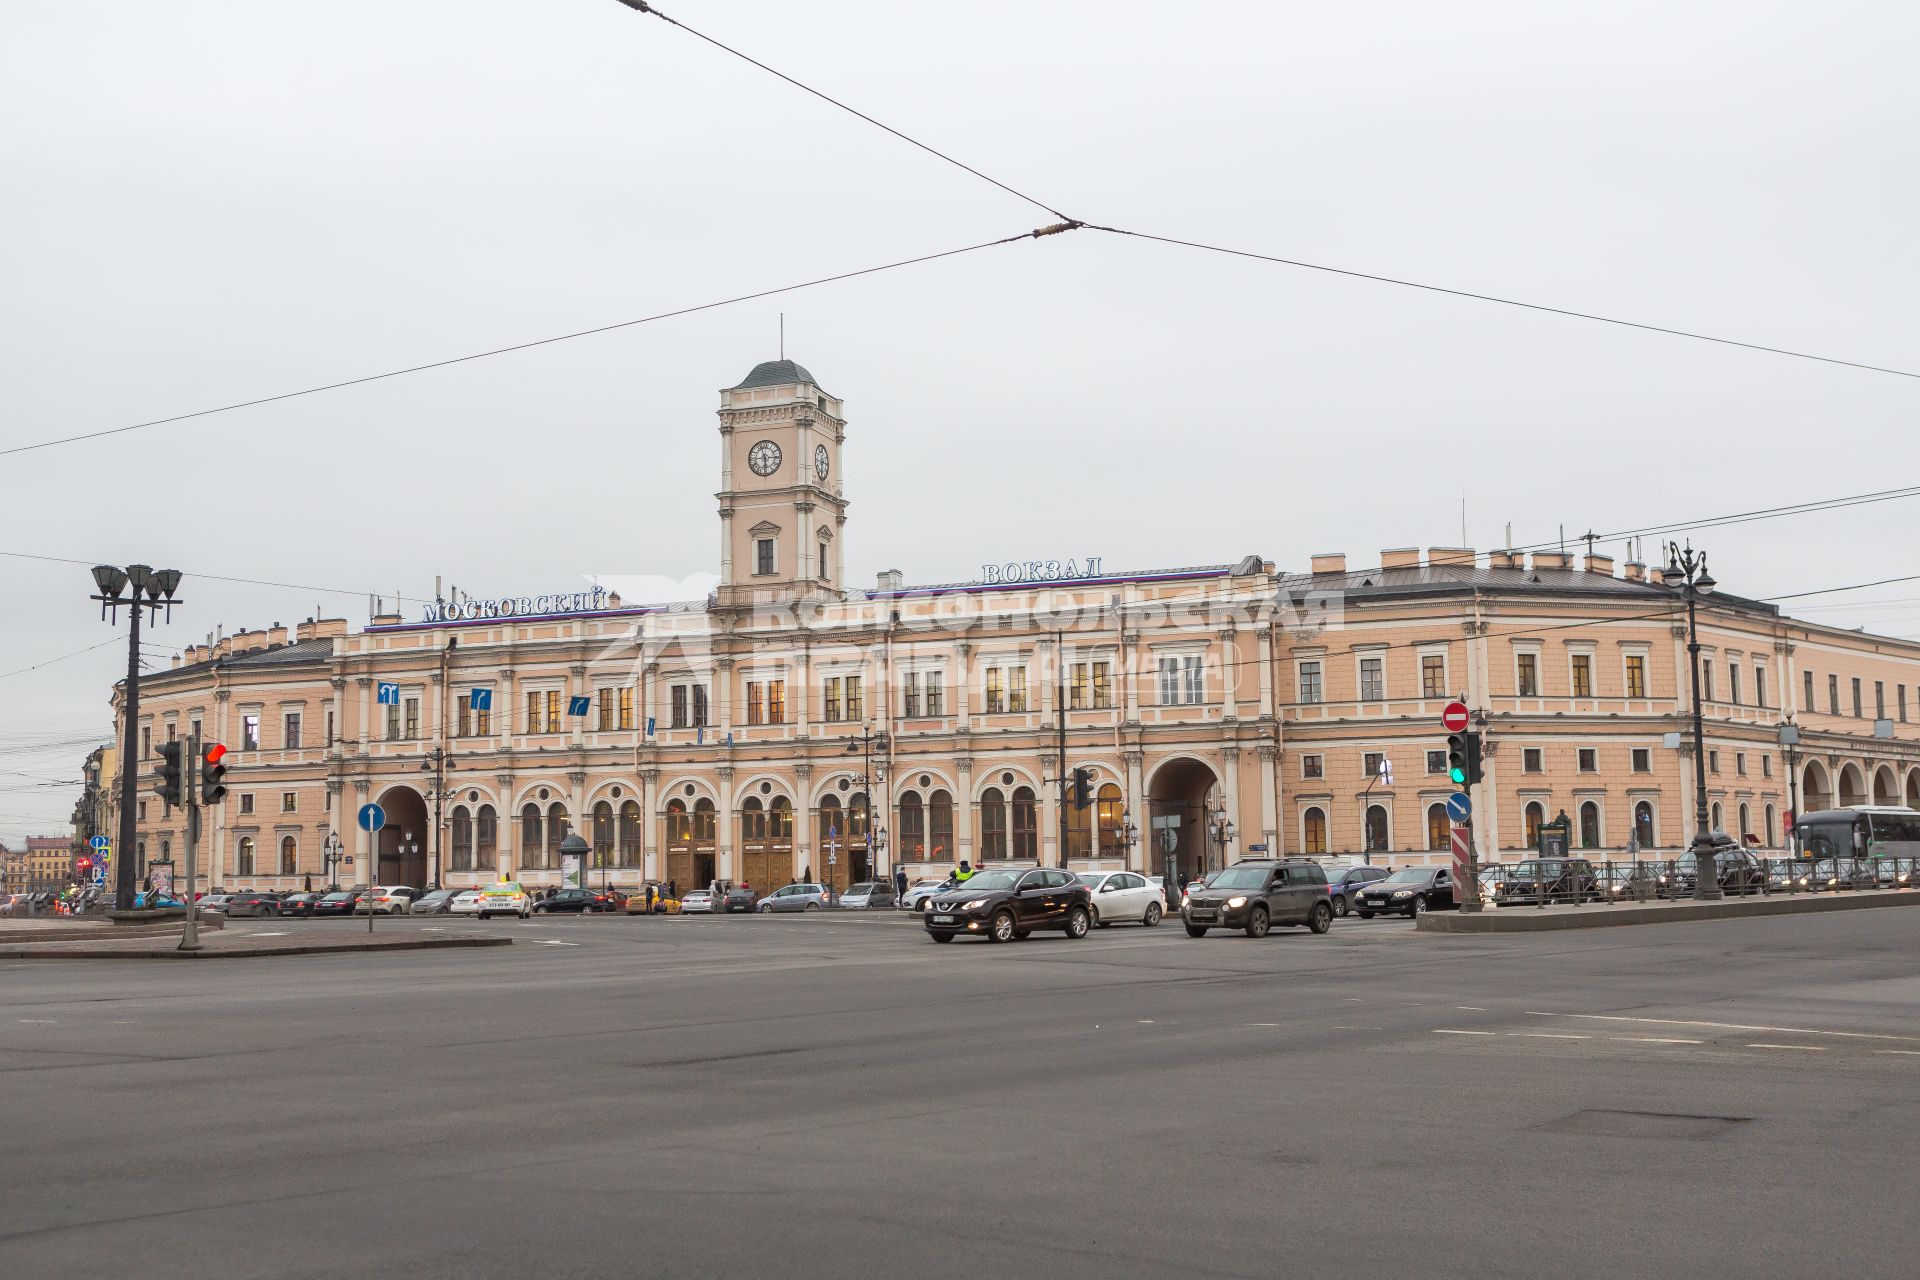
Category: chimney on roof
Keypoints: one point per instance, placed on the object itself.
(889, 581)
(1636, 572)
(276, 636)
(1400, 558)
(1450, 557)
(1330, 562)
(1550, 559)
(1600, 564)
(1504, 560)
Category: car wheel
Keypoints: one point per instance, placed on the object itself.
(1340, 907)
(1364, 915)
(1257, 923)
(1096, 917)
(1152, 917)
(1196, 931)
(1001, 930)
(766, 908)
(1320, 919)
(812, 906)
(942, 936)
(1079, 920)
(1418, 905)
(1021, 935)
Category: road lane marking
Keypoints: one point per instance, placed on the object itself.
(1904, 1053)
(1445, 1032)
(1655, 1040)
(1545, 1035)
(40, 1020)
(553, 942)
(1726, 1026)
(1469, 1008)
(1804, 1048)
(1259, 1024)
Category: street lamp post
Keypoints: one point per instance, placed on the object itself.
(150, 589)
(1790, 738)
(1686, 572)
(331, 856)
(866, 744)
(438, 761)
(1222, 834)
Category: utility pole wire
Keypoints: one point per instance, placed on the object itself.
(1505, 302)
(641, 6)
(1068, 225)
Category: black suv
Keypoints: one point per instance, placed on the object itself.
(1254, 896)
(1408, 891)
(1005, 905)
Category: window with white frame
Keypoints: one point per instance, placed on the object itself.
(1580, 672)
(1312, 767)
(763, 555)
(1634, 662)
(1526, 673)
(1433, 674)
(1311, 689)
(1182, 679)
(1373, 677)
(687, 704)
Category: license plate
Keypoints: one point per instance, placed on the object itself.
(943, 919)
(1200, 915)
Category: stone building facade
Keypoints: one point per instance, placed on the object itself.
(789, 723)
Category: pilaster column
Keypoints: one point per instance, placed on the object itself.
(436, 699)
(363, 732)
(723, 690)
(505, 701)
(1269, 800)
(649, 698)
(963, 687)
(1139, 812)
(803, 820)
(963, 810)
(508, 829)
(650, 867)
(339, 685)
(1130, 673)
(1230, 800)
(1229, 674)
(1265, 647)
(724, 862)
(803, 696)
(1050, 674)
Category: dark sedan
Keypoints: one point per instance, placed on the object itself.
(576, 901)
(1408, 892)
(253, 904)
(1004, 905)
(338, 904)
(738, 898)
(298, 904)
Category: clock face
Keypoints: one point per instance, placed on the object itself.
(764, 458)
(820, 463)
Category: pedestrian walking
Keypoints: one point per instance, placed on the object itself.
(899, 882)
(806, 875)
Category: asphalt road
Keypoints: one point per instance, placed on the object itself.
(834, 1097)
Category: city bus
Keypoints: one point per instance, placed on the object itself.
(1880, 841)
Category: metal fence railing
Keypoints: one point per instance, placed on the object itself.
(1532, 882)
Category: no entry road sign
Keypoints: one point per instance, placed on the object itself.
(1454, 717)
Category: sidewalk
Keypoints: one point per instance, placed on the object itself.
(1524, 919)
(49, 928)
(215, 945)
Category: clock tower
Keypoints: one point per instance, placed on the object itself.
(781, 513)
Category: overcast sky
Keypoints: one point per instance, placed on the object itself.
(215, 201)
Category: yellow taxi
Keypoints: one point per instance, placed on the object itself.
(637, 902)
(505, 898)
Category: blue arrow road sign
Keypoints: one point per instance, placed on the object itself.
(649, 726)
(99, 842)
(388, 694)
(372, 817)
(480, 699)
(577, 706)
(1459, 807)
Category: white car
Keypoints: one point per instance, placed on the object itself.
(465, 903)
(1124, 896)
(390, 899)
(920, 892)
(697, 902)
(505, 898)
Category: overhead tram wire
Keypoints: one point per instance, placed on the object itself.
(641, 6)
(1037, 233)
(1505, 302)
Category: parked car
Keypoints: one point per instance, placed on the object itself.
(696, 902)
(388, 899)
(215, 902)
(1408, 892)
(796, 897)
(434, 903)
(338, 903)
(1737, 870)
(1004, 905)
(466, 903)
(253, 904)
(1254, 896)
(505, 898)
(870, 895)
(298, 904)
(1344, 884)
(575, 901)
(1124, 896)
(1631, 881)
(636, 903)
(147, 900)
(917, 894)
(738, 897)
(1555, 879)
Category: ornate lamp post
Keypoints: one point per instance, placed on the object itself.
(145, 588)
(1686, 572)
(439, 761)
(1222, 834)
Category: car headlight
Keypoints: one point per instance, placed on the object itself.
(975, 905)
(1403, 893)
(1236, 902)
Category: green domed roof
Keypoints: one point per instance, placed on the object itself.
(775, 373)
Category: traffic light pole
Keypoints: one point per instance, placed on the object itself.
(190, 785)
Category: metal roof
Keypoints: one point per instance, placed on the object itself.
(775, 373)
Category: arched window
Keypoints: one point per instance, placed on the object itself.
(1378, 837)
(859, 817)
(1026, 827)
(603, 834)
(913, 828)
(1313, 830)
(558, 825)
(244, 860)
(940, 826)
(1112, 811)
(1643, 833)
(1079, 829)
(289, 856)
(462, 824)
(486, 839)
(1589, 825)
(679, 824)
(1746, 823)
(1535, 815)
(993, 824)
(1769, 817)
(780, 821)
(629, 837)
(705, 817)
(753, 820)
(831, 823)
(1439, 830)
(1715, 825)
(531, 842)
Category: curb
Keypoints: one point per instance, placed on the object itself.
(1522, 920)
(98, 933)
(45, 951)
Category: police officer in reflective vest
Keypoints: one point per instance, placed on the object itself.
(964, 873)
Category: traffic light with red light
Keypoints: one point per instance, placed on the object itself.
(1082, 788)
(213, 769)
